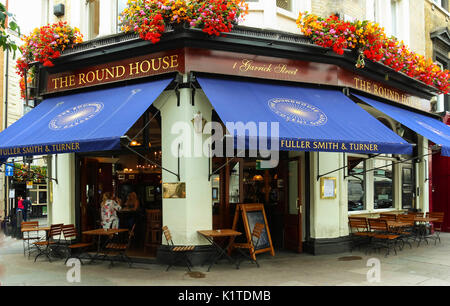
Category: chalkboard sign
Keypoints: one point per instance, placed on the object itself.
(250, 215)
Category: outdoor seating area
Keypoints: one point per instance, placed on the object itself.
(61, 241)
(393, 231)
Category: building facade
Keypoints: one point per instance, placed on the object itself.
(301, 217)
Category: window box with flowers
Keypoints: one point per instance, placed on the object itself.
(43, 45)
(371, 42)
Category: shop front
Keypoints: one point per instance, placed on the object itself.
(192, 126)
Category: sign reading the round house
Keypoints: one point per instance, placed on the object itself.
(75, 115)
(298, 111)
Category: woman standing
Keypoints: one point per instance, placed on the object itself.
(109, 211)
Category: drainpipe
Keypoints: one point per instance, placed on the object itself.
(6, 125)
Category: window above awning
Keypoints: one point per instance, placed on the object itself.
(309, 119)
(428, 127)
(82, 122)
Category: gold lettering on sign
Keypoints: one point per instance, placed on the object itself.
(384, 92)
(95, 76)
(247, 65)
(327, 146)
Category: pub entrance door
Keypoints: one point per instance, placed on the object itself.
(293, 212)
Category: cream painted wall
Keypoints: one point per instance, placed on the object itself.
(62, 207)
(324, 223)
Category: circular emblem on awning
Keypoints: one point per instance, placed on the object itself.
(298, 111)
(75, 116)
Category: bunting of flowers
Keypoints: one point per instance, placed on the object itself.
(44, 45)
(372, 42)
(149, 18)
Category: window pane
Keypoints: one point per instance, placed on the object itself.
(42, 197)
(356, 184)
(383, 184)
(121, 5)
(408, 186)
(234, 184)
(33, 196)
(285, 4)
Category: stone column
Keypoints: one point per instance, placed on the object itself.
(184, 216)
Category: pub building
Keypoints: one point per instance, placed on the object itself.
(311, 137)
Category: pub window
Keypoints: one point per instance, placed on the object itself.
(356, 183)
(442, 100)
(383, 181)
(285, 5)
(394, 18)
(120, 5)
(93, 18)
(408, 185)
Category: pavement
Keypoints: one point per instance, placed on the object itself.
(426, 265)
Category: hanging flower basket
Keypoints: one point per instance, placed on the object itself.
(44, 45)
(372, 43)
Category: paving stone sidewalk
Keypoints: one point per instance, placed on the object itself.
(427, 265)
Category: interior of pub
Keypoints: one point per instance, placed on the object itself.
(127, 173)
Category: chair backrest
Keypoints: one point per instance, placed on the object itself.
(390, 217)
(378, 224)
(408, 218)
(69, 231)
(257, 231)
(358, 223)
(167, 235)
(25, 224)
(55, 230)
(436, 214)
(154, 218)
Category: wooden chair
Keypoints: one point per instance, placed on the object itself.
(70, 237)
(177, 251)
(382, 237)
(437, 225)
(390, 217)
(46, 246)
(120, 249)
(153, 233)
(251, 245)
(27, 237)
(359, 231)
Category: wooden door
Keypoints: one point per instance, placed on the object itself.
(293, 212)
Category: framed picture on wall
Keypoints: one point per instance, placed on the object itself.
(328, 188)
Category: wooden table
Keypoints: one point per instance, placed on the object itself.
(102, 232)
(220, 233)
(28, 229)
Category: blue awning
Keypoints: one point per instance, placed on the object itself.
(430, 128)
(308, 119)
(83, 122)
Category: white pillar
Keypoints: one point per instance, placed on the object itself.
(61, 209)
(185, 216)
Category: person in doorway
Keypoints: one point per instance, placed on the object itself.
(132, 202)
(131, 205)
(109, 209)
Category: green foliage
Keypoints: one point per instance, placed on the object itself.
(5, 40)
